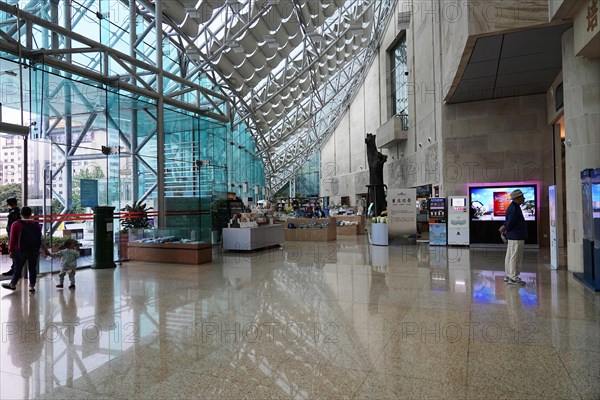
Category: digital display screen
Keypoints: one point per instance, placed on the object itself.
(458, 202)
(490, 203)
(596, 200)
(437, 203)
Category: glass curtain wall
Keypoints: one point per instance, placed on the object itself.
(246, 171)
(83, 132)
(306, 180)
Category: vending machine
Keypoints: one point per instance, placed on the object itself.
(437, 221)
(458, 220)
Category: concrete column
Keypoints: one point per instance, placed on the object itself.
(581, 83)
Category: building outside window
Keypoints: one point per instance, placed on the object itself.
(399, 70)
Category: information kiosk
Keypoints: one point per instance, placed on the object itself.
(458, 221)
(437, 221)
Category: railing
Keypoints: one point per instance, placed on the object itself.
(403, 121)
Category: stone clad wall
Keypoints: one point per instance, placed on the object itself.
(581, 84)
(505, 140)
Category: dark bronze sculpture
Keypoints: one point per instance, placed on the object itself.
(376, 186)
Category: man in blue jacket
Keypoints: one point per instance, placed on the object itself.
(515, 230)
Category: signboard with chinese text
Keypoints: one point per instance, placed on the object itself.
(402, 213)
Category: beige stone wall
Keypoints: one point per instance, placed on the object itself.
(563, 9)
(455, 34)
(505, 140)
(581, 82)
(553, 8)
(493, 141)
(494, 16)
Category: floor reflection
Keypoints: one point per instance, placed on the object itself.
(309, 320)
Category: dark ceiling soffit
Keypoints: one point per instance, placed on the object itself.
(487, 61)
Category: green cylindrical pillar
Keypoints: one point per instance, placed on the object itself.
(103, 237)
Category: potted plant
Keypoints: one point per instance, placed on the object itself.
(55, 243)
(136, 218)
(379, 230)
(4, 244)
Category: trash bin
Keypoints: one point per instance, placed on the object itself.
(103, 237)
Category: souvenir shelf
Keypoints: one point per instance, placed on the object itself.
(311, 229)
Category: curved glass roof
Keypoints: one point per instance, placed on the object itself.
(288, 68)
(291, 67)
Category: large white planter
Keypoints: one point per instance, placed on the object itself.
(379, 234)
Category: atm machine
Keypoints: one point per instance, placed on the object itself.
(458, 221)
(437, 221)
(590, 271)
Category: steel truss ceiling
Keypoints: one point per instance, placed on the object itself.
(289, 68)
(292, 66)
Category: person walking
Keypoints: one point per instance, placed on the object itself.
(68, 257)
(24, 247)
(14, 214)
(515, 230)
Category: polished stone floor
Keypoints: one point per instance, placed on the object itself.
(310, 320)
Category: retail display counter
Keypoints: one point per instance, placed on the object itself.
(358, 229)
(174, 253)
(252, 238)
(311, 229)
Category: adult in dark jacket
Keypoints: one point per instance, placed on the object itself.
(24, 247)
(515, 230)
(14, 214)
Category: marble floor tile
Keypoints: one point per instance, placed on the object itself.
(569, 305)
(66, 393)
(584, 369)
(537, 371)
(350, 346)
(14, 385)
(507, 323)
(486, 393)
(244, 363)
(308, 320)
(391, 385)
(299, 380)
(443, 300)
(428, 347)
(572, 334)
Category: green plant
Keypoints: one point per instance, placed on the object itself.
(137, 216)
(55, 242)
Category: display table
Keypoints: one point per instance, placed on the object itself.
(252, 238)
(351, 229)
(317, 234)
(173, 253)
